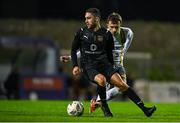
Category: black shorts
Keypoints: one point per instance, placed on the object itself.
(107, 70)
(120, 69)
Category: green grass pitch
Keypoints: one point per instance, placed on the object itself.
(55, 111)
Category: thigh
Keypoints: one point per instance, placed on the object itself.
(117, 80)
(108, 71)
(122, 72)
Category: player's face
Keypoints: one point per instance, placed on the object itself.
(114, 28)
(90, 20)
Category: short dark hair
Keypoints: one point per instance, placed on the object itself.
(96, 12)
(114, 17)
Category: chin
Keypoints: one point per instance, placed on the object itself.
(89, 27)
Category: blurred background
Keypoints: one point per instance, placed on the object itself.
(34, 33)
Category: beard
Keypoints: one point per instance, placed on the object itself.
(92, 26)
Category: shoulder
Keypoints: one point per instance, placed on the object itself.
(80, 31)
(105, 30)
(127, 29)
(108, 34)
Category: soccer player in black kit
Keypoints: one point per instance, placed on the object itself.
(96, 44)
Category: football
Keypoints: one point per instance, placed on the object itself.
(75, 108)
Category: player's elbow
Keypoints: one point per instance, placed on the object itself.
(131, 33)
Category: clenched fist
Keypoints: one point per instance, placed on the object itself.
(76, 70)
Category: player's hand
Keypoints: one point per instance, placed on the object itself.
(76, 70)
(64, 59)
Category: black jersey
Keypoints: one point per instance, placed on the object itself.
(95, 47)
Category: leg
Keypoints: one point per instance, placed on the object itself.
(124, 78)
(117, 81)
(100, 79)
(113, 92)
(96, 103)
(110, 94)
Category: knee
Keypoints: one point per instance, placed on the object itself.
(100, 79)
(123, 87)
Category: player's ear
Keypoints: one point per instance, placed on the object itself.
(97, 19)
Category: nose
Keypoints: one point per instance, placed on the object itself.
(114, 29)
(86, 21)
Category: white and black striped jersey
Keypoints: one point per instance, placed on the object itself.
(122, 42)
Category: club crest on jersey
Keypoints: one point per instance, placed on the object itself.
(100, 38)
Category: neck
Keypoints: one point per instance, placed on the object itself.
(97, 27)
(115, 35)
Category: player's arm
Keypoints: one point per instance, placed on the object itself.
(67, 58)
(110, 47)
(75, 46)
(129, 37)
